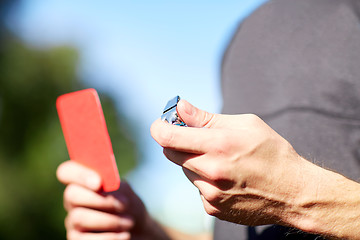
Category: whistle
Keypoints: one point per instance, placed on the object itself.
(170, 114)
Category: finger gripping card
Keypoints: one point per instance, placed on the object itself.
(86, 136)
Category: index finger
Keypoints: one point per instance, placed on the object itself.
(184, 139)
(71, 172)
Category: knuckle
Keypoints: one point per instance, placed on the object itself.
(70, 196)
(74, 218)
(216, 172)
(220, 177)
(68, 192)
(212, 195)
(162, 135)
(166, 138)
(253, 119)
(208, 119)
(209, 209)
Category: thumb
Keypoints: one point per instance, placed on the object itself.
(192, 116)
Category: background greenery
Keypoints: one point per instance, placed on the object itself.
(31, 141)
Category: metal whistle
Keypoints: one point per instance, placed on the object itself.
(170, 114)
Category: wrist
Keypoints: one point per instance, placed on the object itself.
(328, 205)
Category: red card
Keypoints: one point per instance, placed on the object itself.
(86, 136)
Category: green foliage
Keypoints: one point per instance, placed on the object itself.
(31, 141)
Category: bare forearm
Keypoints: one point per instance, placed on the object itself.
(329, 206)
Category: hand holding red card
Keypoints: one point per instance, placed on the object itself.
(86, 136)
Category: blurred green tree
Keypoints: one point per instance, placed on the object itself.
(31, 141)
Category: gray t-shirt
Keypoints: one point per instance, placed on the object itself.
(296, 64)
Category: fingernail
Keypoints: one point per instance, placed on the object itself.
(127, 221)
(121, 203)
(118, 206)
(93, 181)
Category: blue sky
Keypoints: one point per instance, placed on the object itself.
(143, 53)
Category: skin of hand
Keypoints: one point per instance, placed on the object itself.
(119, 215)
(93, 214)
(246, 173)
